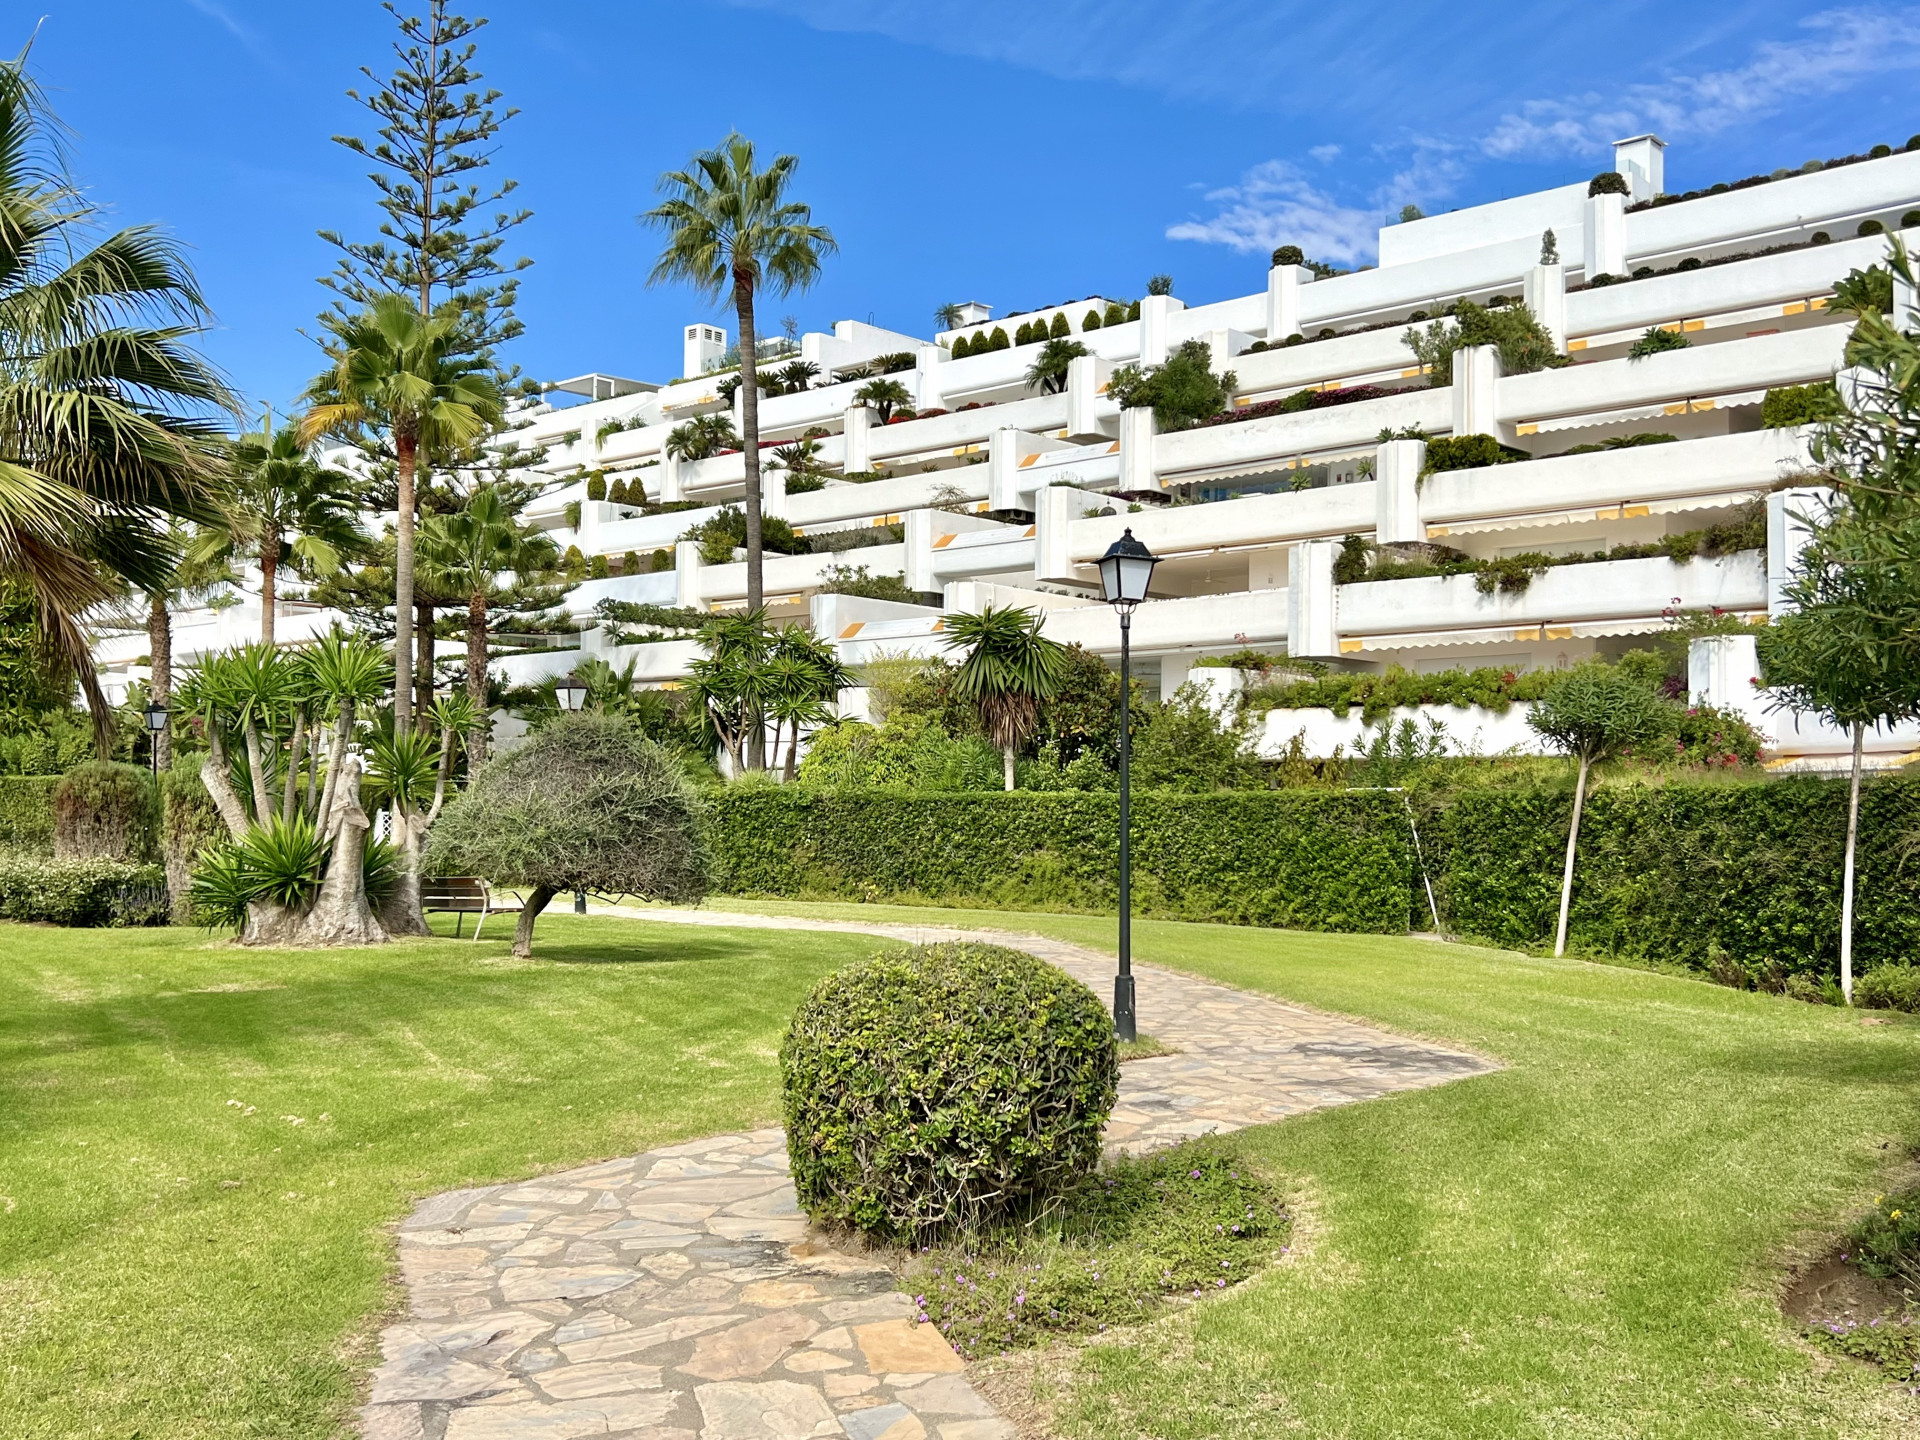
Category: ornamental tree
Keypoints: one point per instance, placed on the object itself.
(587, 803)
(1594, 712)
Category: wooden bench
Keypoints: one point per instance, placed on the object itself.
(463, 895)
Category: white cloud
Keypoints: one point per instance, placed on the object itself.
(1840, 49)
(1325, 153)
(250, 41)
(1274, 205)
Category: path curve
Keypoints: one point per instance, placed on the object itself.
(681, 1295)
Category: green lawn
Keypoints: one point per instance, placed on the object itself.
(1586, 1243)
(144, 1292)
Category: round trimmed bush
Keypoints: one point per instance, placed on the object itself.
(943, 1087)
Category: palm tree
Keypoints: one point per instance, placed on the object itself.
(731, 227)
(702, 437)
(1010, 668)
(187, 579)
(949, 316)
(803, 675)
(1048, 373)
(280, 506)
(728, 684)
(401, 371)
(483, 552)
(883, 396)
(109, 423)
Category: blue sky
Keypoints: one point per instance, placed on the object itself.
(1017, 153)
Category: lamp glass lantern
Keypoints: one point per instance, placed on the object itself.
(156, 717)
(571, 692)
(1125, 572)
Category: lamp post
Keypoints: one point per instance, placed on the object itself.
(1125, 571)
(156, 718)
(572, 694)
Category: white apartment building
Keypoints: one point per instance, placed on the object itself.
(1000, 494)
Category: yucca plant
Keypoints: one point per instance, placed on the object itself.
(1009, 670)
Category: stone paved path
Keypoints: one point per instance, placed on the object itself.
(680, 1294)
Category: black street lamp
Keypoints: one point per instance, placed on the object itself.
(570, 692)
(1125, 571)
(156, 718)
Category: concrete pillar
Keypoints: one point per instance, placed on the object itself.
(1724, 671)
(686, 570)
(1156, 327)
(1085, 375)
(918, 528)
(1136, 450)
(673, 481)
(1174, 672)
(928, 374)
(1396, 473)
(1643, 160)
(858, 430)
(1283, 301)
(1055, 509)
(1790, 516)
(1003, 469)
(1606, 235)
(1476, 381)
(1545, 292)
(1313, 630)
(773, 492)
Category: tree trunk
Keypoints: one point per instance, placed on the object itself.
(401, 912)
(1006, 765)
(423, 669)
(477, 678)
(340, 914)
(750, 442)
(1846, 899)
(160, 687)
(793, 755)
(404, 451)
(1573, 839)
(269, 569)
(523, 932)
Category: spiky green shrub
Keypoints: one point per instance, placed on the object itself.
(944, 1087)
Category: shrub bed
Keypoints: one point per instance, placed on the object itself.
(82, 892)
(942, 1088)
(1304, 859)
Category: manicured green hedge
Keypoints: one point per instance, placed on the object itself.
(1667, 870)
(1301, 859)
(26, 813)
(82, 892)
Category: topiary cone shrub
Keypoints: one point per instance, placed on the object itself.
(942, 1088)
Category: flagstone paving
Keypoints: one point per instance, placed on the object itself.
(681, 1294)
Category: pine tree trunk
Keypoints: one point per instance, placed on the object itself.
(423, 668)
(477, 679)
(160, 687)
(523, 932)
(750, 441)
(269, 569)
(404, 450)
(1573, 840)
(1853, 834)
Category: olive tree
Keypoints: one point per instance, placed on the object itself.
(1591, 713)
(587, 803)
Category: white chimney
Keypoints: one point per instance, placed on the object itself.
(1643, 160)
(972, 312)
(704, 343)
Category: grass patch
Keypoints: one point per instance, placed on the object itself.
(1143, 1047)
(176, 1265)
(1188, 1222)
(1589, 1242)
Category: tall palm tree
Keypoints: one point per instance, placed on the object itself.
(403, 372)
(1009, 670)
(948, 316)
(730, 227)
(187, 580)
(281, 507)
(482, 552)
(108, 420)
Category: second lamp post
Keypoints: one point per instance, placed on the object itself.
(1125, 571)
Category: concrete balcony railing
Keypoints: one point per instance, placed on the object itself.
(783, 575)
(1164, 627)
(1247, 445)
(1565, 596)
(1835, 200)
